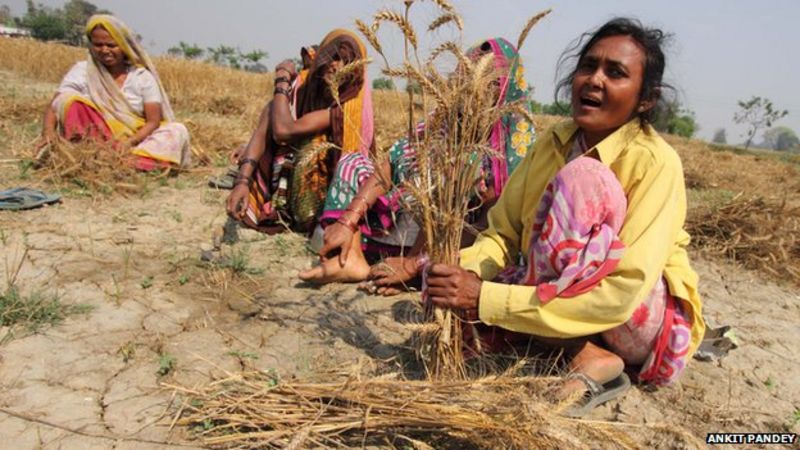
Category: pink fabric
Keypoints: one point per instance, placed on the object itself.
(575, 244)
(669, 356)
(367, 119)
(575, 241)
(499, 133)
(81, 121)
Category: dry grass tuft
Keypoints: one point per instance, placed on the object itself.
(757, 233)
(513, 411)
(752, 218)
(91, 165)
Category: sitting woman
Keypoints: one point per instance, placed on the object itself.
(228, 179)
(288, 164)
(117, 96)
(364, 222)
(597, 210)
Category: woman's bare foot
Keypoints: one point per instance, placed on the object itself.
(596, 363)
(330, 270)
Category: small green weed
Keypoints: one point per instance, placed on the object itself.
(183, 279)
(205, 425)
(795, 418)
(147, 282)
(239, 263)
(769, 383)
(180, 183)
(35, 311)
(242, 354)
(176, 216)
(25, 166)
(166, 364)
(117, 294)
(284, 249)
(127, 351)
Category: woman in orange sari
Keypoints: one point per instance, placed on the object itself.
(283, 175)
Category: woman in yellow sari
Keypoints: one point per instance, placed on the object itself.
(116, 95)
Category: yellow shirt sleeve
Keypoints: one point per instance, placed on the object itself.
(656, 212)
(499, 244)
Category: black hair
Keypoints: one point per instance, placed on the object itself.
(651, 40)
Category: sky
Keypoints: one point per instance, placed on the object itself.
(722, 51)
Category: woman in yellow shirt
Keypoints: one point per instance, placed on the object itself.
(636, 304)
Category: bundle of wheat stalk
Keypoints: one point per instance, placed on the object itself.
(513, 411)
(90, 164)
(460, 109)
(759, 234)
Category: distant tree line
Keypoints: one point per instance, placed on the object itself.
(65, 24)
(222, 55)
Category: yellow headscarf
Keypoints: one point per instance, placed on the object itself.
(105, 93)
(358, 121)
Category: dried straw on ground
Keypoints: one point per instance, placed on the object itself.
(512, 411)
(92, 165)
(757, 233)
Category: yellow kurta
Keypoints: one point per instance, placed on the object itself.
(651, 175)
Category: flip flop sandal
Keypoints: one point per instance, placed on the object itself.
(716, 343)
(596, 393)
(18, 199)
(225, 181)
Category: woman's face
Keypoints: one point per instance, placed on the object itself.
(605, 90)
(105, 48)
(331, 68)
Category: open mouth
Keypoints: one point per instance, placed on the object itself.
(591, 102)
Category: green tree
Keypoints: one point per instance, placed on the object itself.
(383, 84)
(781, 139)
(675, 119)
(757, 113)
(59, 24)
(75, 14)
(185, 50)
(5, 16)
(413, 87)
(251, 61)
(557, 109)
(232, 57)
(223, 56)
(720, 136)
(554, 109)
(45, 23)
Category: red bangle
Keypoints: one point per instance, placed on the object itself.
(350, 225)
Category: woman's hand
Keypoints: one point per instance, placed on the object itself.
(288, 66)
(394, 270)
(237, 201)
(237, 154)
(337, 236)
(125, 146)
(453, 287)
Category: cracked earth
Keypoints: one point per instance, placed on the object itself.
(101, 380)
